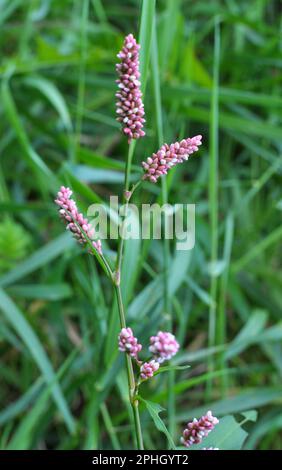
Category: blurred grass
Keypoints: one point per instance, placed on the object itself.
(57, 126)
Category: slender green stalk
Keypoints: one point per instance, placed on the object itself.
(133, 389)
(128, 165)
(137, 423)
(81, 80)
(109, 426)
(213, 194)
(132, 386)
(100, 11)
(130, 375)
(166, 248)
(26, 31)
(221, 327)
(4, 195)
(145, 38)
(125, 198)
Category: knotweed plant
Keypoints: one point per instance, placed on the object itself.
(162, 345)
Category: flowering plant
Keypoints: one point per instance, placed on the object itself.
(163, 345)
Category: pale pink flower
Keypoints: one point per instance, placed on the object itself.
(168, 156)
(148, 369)
(129, 106)
(128, 343)
(75, 221)
(163, 346)
(197, 429)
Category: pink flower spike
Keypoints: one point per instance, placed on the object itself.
(148, 369)
(69, 213)
(128, 343)
(196, 430)
(163, 346)
(129, 105)
(168, 156)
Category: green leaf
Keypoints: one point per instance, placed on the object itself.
(32, 157)
(131, 255)
(192, 68)
(251, 329)
(95, 160)
(16, 318)
(38, 259)
(20, 405)
(203, 295)
(249, 399)
(226, 95)
(145, 300)
(178, 269)
(145, 38)
(22, 439)
(230, 122)
(250, 415)
(271, 422)
(258, 249)
(96, 175)
(167, 368)
(49, 90)
(154, 410)
(50, 292)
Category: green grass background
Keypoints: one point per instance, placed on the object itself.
(210, 68)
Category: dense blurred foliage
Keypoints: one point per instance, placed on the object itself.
(57, 311)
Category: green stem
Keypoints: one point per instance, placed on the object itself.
(137, 423)
(213, 195)
(130, 376)
(126, 197)
(133, 388)
(131, 149)
(166, 248)
(81, 80)
(223, 288)
(109, 426)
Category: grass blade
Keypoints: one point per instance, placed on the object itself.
(16, 318)
(33, 159)
(213, 191)
(38, 259)
(145, 38)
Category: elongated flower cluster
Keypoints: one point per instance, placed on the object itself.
(210, 448)
(196, 430)
(148, 369)
(163, 346)
(168, 156)
(75, 221)
(128, 343)
(129, 106)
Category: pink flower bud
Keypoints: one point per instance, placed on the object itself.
(163, 346)
(148, 369)
(128, 343)
(196, 430)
